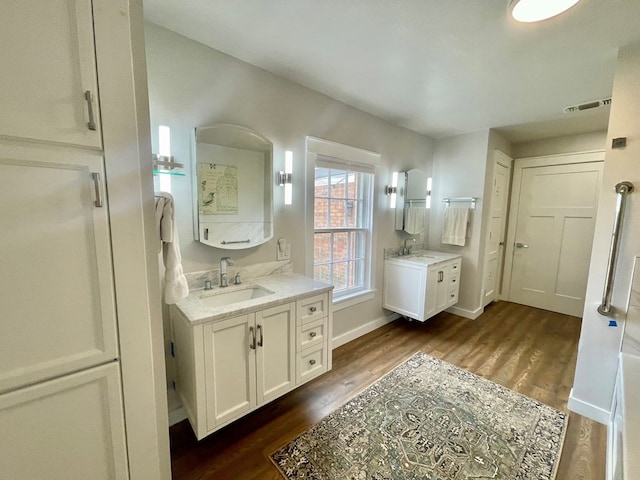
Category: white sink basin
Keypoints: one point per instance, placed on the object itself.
(229, 297)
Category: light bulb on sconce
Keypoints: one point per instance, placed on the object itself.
(391, 190)
(285, 178)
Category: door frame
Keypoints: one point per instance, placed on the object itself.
(504, 160)
(519, 164)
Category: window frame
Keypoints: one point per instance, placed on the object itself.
(343, 157)
(364, 197)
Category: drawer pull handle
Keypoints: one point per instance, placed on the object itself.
(453, 295)
(312, 334)
(312, 309)
(312, 362)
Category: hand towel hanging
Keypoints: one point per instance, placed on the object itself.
(175, 283)
(454, 228)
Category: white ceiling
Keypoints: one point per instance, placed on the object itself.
(438, 67)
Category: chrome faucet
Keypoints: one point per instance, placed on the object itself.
(407, 250)
(224, 262)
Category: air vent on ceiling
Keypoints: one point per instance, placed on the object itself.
(587, 106)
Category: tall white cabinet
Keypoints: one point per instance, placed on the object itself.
(61, 397)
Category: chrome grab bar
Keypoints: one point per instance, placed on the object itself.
(622, 189)
(228, 242)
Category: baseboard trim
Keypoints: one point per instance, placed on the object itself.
(363, 330)
(588, 410)
(470, 314)
(177, 415)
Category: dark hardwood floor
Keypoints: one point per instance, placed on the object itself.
(528, 350)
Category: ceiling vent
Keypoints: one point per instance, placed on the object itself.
(587, 106)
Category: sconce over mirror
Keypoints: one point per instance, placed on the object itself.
(233, 187)
(411, 201)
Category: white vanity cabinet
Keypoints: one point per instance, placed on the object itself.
(421, 285)
(227, 368)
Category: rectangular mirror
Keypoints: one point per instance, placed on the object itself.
(411, 209)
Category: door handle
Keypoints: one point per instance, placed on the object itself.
(91, 124)
(252, 334)
(521, 245)
(261, 341)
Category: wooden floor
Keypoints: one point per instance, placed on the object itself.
(525, 349)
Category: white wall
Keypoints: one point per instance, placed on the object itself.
(460, 165)
(193, 85)
(567, 144)
(599, 343)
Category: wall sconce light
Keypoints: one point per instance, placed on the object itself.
(428, 199)
(284, 178)
(392, 190)
(164, 164)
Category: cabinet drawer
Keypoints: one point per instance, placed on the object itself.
(311, 363)
(312, 308)
(454, 281)
(311, 334)
(452, 297)
(455, 267)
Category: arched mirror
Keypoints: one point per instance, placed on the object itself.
(233, 189)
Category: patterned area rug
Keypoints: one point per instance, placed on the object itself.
(428, 419)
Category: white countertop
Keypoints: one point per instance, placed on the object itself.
(424, 257)
(287, 287)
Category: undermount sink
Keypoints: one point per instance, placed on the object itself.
(229, 297)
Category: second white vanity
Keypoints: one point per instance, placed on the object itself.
(239, 347)
(422, 284)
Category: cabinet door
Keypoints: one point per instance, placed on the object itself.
(432, 297)
(230, 369)
(48, 64)
(404, 289)
(70, 428)
(275, 333)
(56, 287)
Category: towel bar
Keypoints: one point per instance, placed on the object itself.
(473, 200)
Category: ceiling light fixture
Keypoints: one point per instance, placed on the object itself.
(536, 10)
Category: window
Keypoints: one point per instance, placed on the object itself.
(342, 236)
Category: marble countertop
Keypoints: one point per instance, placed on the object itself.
(424, 257)
(286, 287)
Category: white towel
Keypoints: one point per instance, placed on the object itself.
(175, 283)
(454, 228)
(414, 219)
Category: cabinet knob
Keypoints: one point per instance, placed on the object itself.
(312, 334)
(312, 362)
(312, 309)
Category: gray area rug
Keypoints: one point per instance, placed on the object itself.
(428, 419)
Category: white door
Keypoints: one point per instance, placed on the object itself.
(275, 351)
(56, 286)
(553, 235)
(48, 66)
(497, 231)
(230, 369)
(70, 428)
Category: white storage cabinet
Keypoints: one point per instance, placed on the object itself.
(420, 287)
(229, 367)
